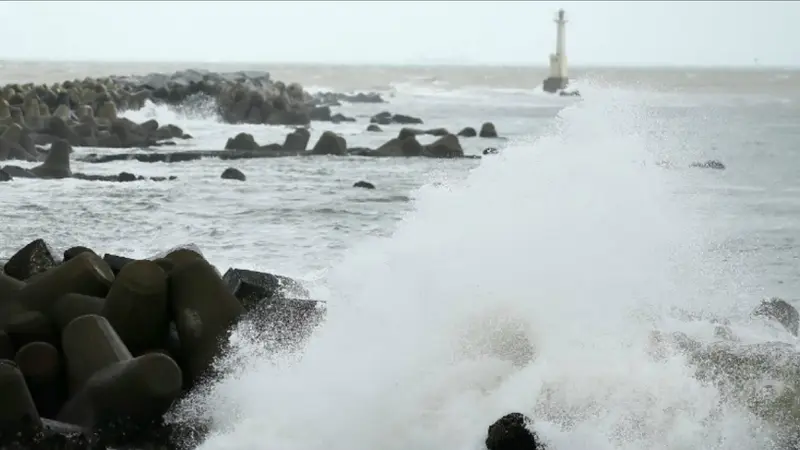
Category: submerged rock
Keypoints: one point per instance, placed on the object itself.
(710, 164)
(512, 432)
(364, 184)
(233, 174)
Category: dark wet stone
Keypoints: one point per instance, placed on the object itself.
(251, 287)
(511, 432)
(364, 184)
(233, 174)
(34, 258)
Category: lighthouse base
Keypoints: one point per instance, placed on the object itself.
(554, 84)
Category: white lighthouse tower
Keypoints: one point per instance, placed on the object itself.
(557, 80)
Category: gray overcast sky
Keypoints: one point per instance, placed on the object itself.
(516, 32)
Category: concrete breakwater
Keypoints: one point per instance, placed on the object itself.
(96, 349)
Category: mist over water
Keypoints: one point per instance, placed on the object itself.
(532, 285)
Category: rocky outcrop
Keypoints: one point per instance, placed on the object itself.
(335, 99)
(387, 118)
(83, 114)
(86, 112)
(244, 146)
(487, 130)
(95, 350)
(56, 165)
(241, 97)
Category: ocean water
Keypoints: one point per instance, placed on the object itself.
(461, 290)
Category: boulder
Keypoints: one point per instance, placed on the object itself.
(56, 164)
(512, 432)
(364, 184)
(387, 118)
(242, 141)
(467, 132)
(297, 140)
(487, 130)
(444, 147)
(233, 174)
(330, 143)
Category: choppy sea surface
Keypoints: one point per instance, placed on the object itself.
(583, 234)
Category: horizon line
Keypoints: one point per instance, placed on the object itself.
(467, 64)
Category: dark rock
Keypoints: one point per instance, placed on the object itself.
(71, 306)
(468, 132)
(408, 147)
(40, 364)
(17, 408)
(320, 113)
(30, 260)
(387, 118)
(511, 432)
(4, 176)
(444, 147)
(137, 308)
(126, 177)
(85, 274)
(18, 172)
(56, 165)
(374, 128)
(339, 118)
(242, 141)
(333, 99)
(116, 262)
(438, 132)
(780, 311)
(364, 184)
(108, 383)
(330, 143)
(490, 151)
(232, 174)
(204, 310)
(487, 130)
(408, 132)
(25, 327)
(297, 140)
(710, 164)
(251, 287)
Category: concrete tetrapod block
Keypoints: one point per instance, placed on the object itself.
(6, 347)
(8, 286)
(40, 364)
(137, 307)
(16, 406)
(71, 306)
(138, 390)
(90, 345)
(84, 274)
(30, 326)
(204, 311)
(180, 257)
